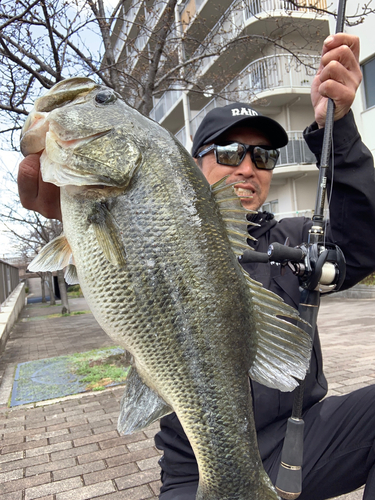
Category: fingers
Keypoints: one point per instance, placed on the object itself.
(341, 64)
(340, 39)
(339, 75)
(35, 194)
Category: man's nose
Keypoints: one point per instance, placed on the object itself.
(246, 167)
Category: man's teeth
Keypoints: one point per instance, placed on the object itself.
(244, 193)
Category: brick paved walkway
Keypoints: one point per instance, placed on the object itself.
(70, 449)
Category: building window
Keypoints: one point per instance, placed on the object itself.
(271, 206)
(368, 70)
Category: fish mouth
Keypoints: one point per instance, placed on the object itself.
(74, 143)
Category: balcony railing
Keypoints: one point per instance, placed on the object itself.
(296, 152)
(165, 104)
(229, 26)
(256, 7)
(270, 72)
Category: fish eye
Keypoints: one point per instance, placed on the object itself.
(105, 97)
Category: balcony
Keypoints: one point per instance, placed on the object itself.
(257, 7)
(204, 13)
(296, 152)
(137, 26)
(165, 104)
(273, 75)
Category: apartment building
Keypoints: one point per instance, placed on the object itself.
(274, 78)
(364, 104)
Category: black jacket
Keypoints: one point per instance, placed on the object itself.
(352, 228)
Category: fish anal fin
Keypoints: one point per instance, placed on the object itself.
(54, 256)
(108, 234)
(140, 405)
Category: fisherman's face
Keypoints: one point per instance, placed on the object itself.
(256, 181)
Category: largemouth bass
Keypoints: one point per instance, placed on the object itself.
(155, 249)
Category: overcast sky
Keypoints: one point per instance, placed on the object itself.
(8, 163)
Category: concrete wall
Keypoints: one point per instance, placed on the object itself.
(9, 312)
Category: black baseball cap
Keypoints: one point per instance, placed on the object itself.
(219, 120)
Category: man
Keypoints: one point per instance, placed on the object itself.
(339, 451)
(339, 432)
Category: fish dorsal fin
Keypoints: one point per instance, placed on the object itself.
(108, 234)
(233, 215)
(54, 256)
(283, 349)
(140, 405)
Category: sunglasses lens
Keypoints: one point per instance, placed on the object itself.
(265, 158)
(231, 154)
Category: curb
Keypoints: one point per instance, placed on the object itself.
(356, 292)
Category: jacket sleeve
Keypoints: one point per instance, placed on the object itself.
(351, 197)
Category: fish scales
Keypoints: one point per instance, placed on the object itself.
(159, 273)
(170, 294)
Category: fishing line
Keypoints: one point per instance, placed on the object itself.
(329, 198)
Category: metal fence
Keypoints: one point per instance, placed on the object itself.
(9, 279)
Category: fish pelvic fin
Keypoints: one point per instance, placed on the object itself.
(233, 215)
(283, 349)
(54, 256)
(140, 405)
(108, 234)
(70, 276)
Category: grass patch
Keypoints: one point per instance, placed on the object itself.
(61, 376)
(100, 367)
(55, 315)
(369, 280)
(74, 291)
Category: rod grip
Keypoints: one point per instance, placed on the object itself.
(289, 478)
(281, 253)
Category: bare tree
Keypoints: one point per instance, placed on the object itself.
(30, 232)
(45, 41)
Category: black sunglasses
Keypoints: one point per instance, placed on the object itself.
(234, 153)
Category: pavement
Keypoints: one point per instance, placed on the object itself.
(69, 448)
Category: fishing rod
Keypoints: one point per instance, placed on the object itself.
(321, 268)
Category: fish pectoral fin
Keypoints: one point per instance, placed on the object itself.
(108, 234)
(283, 349)
(54, 256)
(140, 405)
